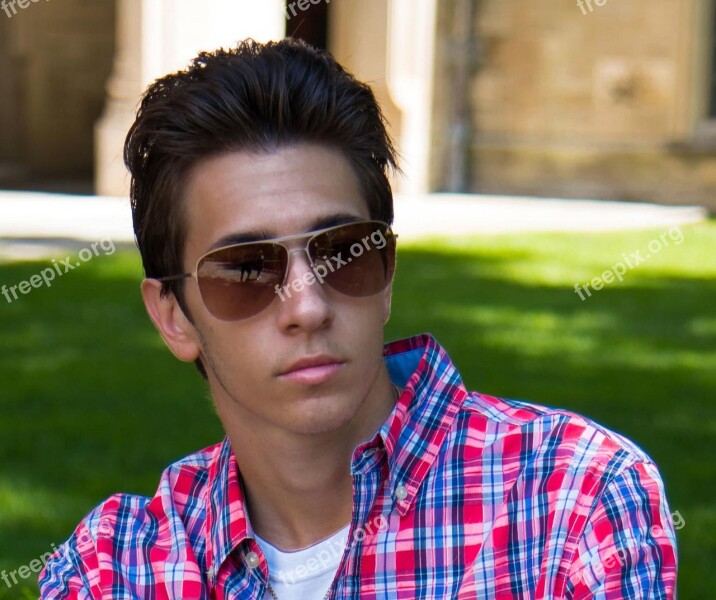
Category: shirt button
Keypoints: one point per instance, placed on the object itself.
(401, 493)
(252, 560)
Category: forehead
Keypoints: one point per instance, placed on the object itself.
(279, 193)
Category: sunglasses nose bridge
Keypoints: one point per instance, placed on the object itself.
(301, 250)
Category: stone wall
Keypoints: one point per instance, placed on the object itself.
(55, 58)
(572, 102)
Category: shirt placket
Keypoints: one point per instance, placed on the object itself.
(367, 479)
(250, 582)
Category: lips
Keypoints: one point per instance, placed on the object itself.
(312, 370)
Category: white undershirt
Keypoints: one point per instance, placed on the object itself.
(304, 574)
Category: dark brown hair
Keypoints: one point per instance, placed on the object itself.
(255, 97)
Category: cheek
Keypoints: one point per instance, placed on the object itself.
(363, 316)
(365, 326)
(236, 354)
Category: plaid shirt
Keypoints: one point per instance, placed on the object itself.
(459, 495)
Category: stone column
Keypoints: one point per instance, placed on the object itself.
(359, 39)
(123, 91)
(155, 37)
(411, 50)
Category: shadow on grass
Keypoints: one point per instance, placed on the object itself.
(93, 403)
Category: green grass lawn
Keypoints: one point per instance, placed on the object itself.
(92, 402)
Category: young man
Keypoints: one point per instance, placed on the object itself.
(350, 469)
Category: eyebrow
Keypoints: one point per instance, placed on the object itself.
(258, 235)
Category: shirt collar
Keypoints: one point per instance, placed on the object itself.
(423, 415)
(412, 436)
(226, 520)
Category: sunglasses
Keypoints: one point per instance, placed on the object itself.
(239, 281)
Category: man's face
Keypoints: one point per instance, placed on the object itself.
(281, 194)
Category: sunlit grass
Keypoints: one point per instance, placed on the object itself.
(93, 403)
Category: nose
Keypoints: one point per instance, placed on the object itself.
(303, 301)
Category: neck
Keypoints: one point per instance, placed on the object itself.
(298, 488)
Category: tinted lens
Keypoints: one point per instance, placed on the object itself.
(358, 258)
(239, 281)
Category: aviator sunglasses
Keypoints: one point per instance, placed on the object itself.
(239, 281)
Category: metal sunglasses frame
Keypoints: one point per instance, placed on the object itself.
(308, 236)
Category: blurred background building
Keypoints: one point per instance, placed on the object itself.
(610, 99)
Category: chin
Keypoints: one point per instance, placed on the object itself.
(322, 416)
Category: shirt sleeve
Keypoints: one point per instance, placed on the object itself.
(66, 575)
(628, 547)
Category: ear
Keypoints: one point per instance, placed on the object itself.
(171, 322)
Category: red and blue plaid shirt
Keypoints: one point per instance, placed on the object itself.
(459, 495)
